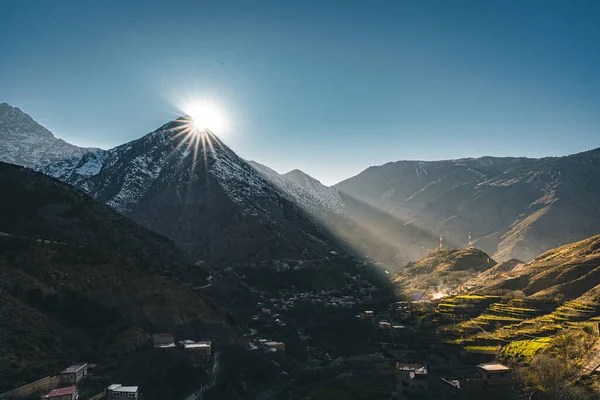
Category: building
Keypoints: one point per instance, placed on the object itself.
(199, 351)
(120, 392)
(74, 374)
(366, 314)
(162, 339)
(277, 346)
(66, 393)
(411, 382)
(385, 325)
(493, 381)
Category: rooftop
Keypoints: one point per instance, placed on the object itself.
(74, 368)
(452, 382)
(62, 391)
(411, 367)
(493, 367)
(196, 345)
(118, 388)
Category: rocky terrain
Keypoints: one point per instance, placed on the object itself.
(25, 142)
(512, 207)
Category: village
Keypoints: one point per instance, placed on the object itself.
(424, 369)
(75, 382)
(393, 332)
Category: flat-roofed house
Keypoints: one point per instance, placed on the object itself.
(412, 382)
(495, 373)
(493, 381)
(74, 374)
(200, 351)
(66, 393)
(119, 392)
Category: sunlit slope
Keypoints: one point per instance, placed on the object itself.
(513, 207)
(441, 272)
(519, 311)
(570, 271)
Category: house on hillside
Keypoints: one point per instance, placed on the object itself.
(119, 392)
(384, 325)
(74, 374)
(199, 351)
(493, 381)
(66, 393)
(412, 382)
(275, 346)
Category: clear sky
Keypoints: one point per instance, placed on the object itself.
(329, 87)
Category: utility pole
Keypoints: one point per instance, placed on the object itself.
(470, 242)
(441, 241)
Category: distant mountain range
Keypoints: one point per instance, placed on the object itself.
(512, 207)
(224, 208)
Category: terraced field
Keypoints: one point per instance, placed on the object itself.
(517, 328)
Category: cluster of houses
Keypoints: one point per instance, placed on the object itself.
(490, 381)
(199, 352)
(71, 379)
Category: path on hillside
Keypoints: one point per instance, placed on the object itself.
(197, 395)
(593, 359)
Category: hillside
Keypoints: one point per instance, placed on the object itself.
(25, 142)
(368, 230)
(545, 311)
(513, 207)
(208, 200)
(81, 282)
(441, 272)
(570, 271)
(305, 190)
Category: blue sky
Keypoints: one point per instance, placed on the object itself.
(329, 87)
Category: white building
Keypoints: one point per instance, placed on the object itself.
(120, 392)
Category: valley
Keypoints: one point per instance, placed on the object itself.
(297, 290)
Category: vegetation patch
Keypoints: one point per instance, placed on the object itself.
(525, 350)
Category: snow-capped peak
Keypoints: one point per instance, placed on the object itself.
(305, 190)
(25, 142)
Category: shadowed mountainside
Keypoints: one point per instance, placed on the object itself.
(79, 281)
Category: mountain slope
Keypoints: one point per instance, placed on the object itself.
(305, 190)
(208, 200)
(569, 271)
(363, 227)
(25, 142)
(80, 281)
(441, 272)
(513, 207)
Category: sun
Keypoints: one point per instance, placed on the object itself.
(206, 116)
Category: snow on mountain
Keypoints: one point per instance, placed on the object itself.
(208, 200)
(304, 190)
(25, 142)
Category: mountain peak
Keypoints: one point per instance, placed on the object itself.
(25, 142)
